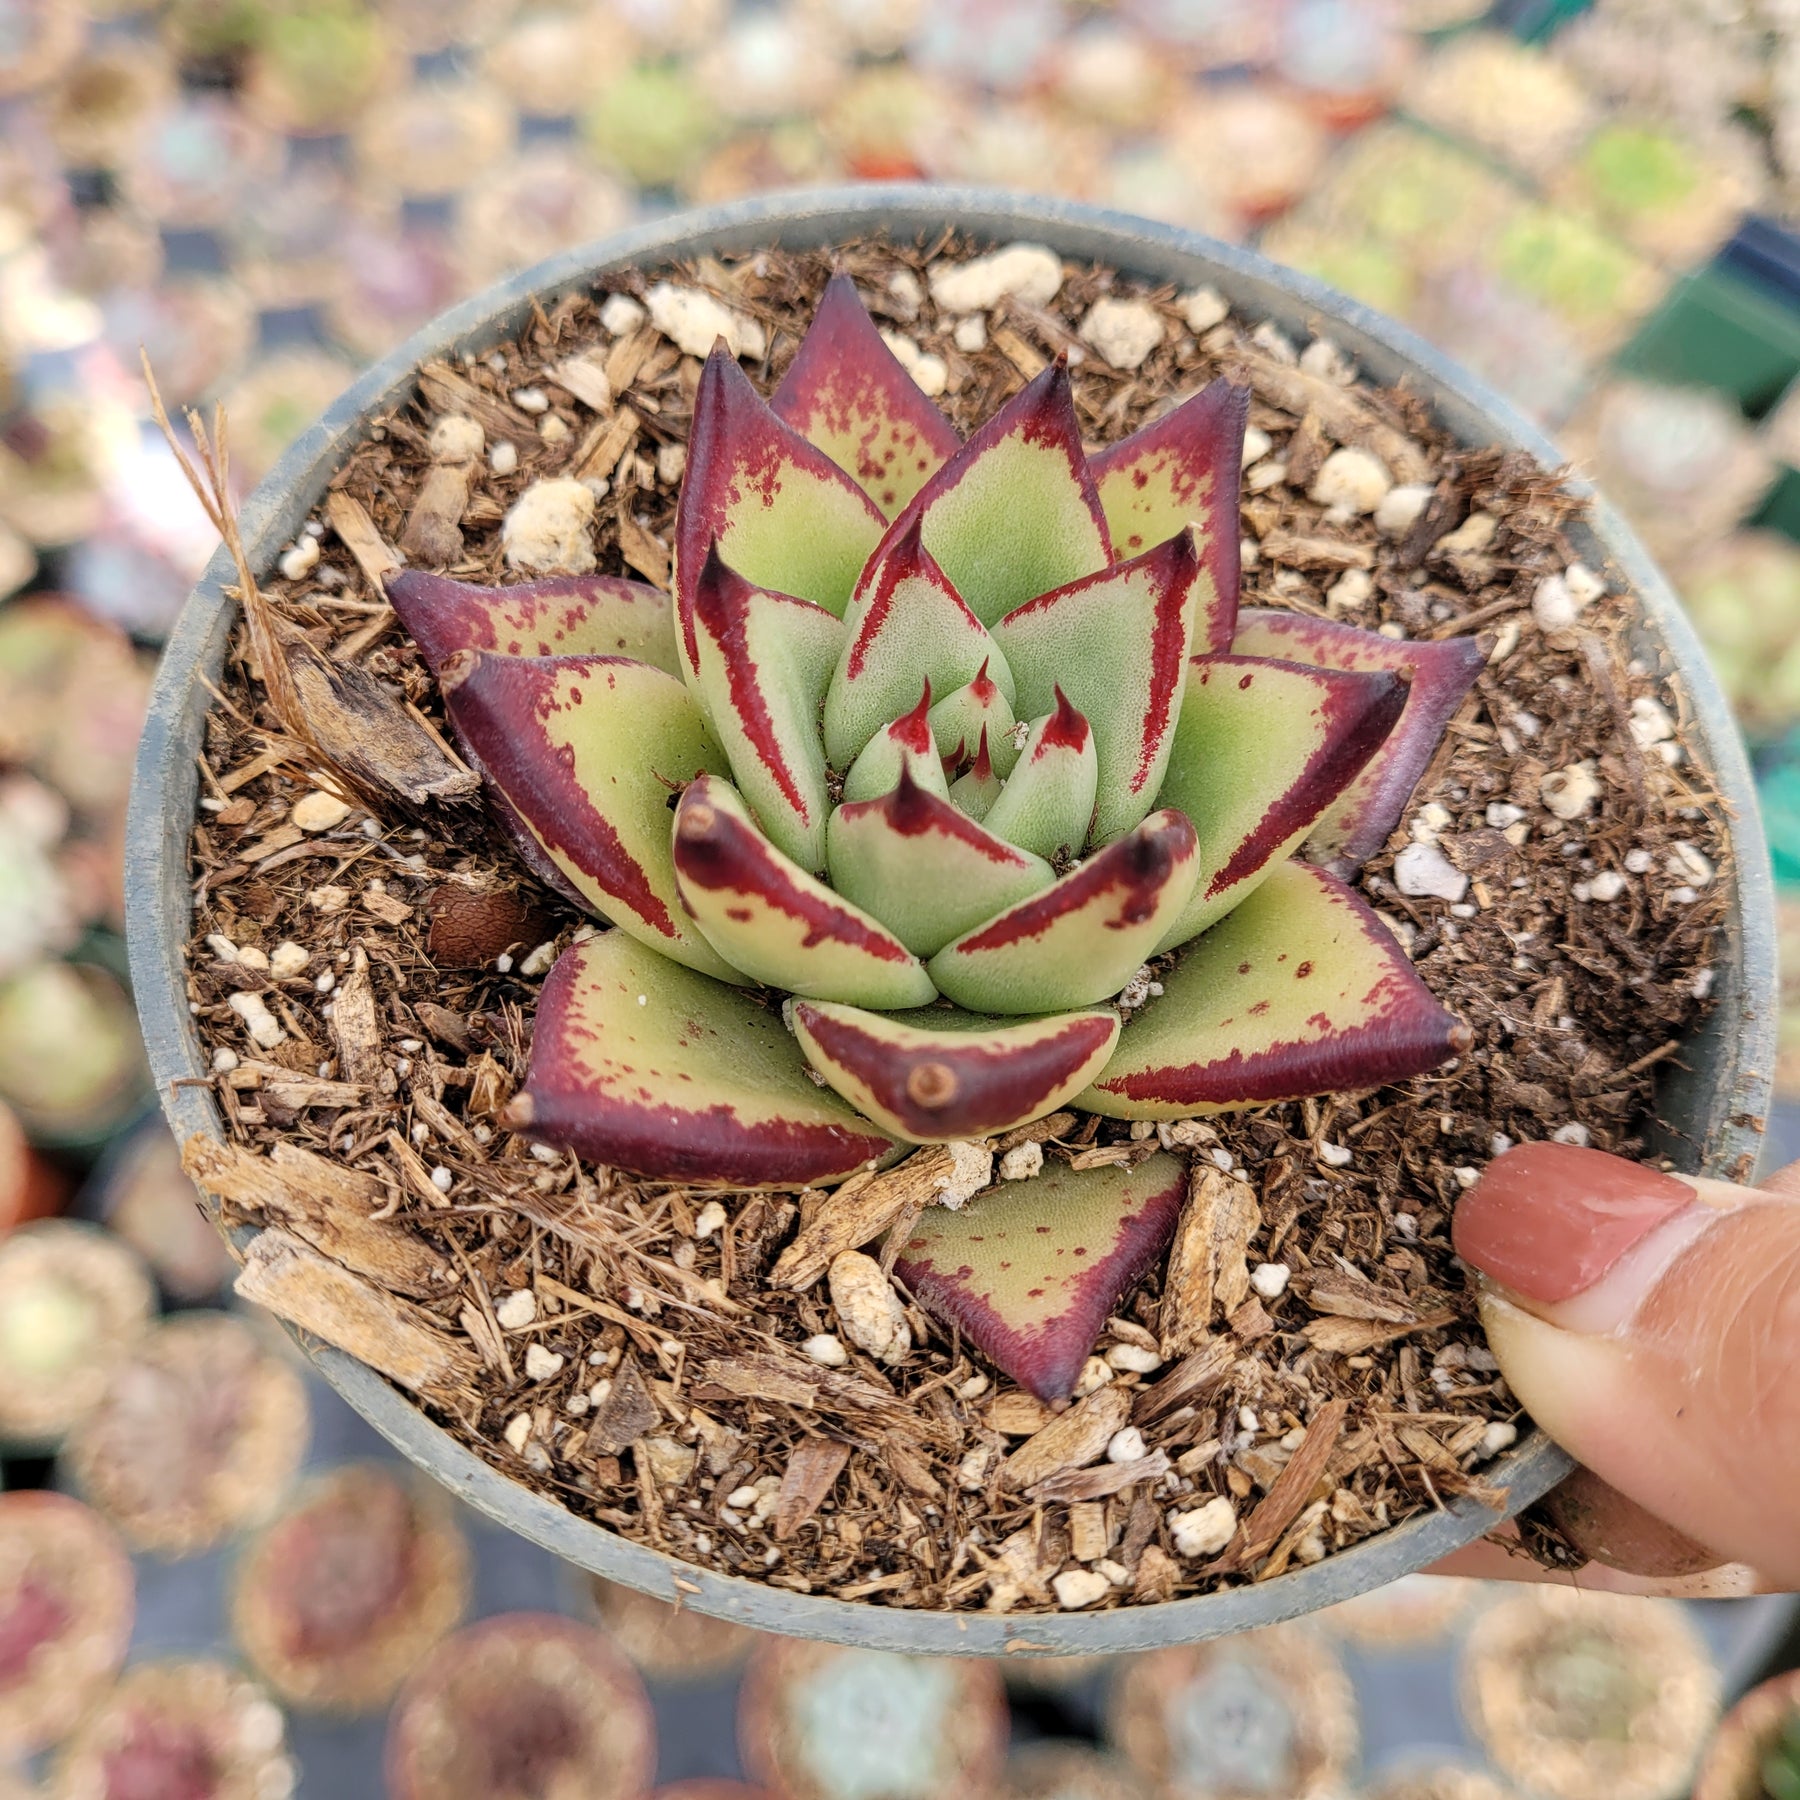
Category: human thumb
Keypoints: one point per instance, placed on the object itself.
(1650, 1323)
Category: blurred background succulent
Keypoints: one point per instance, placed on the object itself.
(953, 744)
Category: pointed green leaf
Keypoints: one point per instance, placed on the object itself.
(975, 791)
(905, 744)
(961, 720)
(562, 615)
(1117, 644)
(1357, 825)
(846, 392)
(585, 751)
(763, 662)
(646, 1066)
(937, 1075)
(766, 915)
(1083, 938)
(1185, 469)
(1047, 805)
(906, 625)
(1013, 513)
(1261, 751)
(781, 512)
(924, 868)
(1302, 990)
(1030, 1271)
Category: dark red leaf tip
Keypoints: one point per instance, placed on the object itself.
(1068, 728)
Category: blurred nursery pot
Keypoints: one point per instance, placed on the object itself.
(1714, 1104)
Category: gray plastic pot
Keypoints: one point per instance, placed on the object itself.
(1714, 1107)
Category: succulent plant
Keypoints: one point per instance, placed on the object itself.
(1781, 1762)
(945, 742)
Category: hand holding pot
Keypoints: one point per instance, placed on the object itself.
(1649, 1323)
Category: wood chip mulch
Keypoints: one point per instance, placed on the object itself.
(573, 1325)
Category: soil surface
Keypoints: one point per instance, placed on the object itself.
(571, 1325)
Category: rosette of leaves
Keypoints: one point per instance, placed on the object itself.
(933, 747)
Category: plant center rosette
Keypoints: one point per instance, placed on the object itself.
(939, 755)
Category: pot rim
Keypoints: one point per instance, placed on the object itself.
(1726, 1094)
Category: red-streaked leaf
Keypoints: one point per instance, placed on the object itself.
(585, 751)
(1184, 469)
(937, 1075)
(562, 615)
(1047, 805)
(847, 393)
(644, 1065)
(763, 661)
(906, 625)
(1302, 990)
(1441, 674)
(781, 512)
(1082, 939)
(1117, 643)
(976, 712)
(1261, 750)
(979, 786)
(925, 868)
(766, 915)
(1013, 513)
(1030, 1271)
(905, 744)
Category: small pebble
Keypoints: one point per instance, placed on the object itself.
(1703, 983)
(1552, 605)
(621, 314)
(319, 811)
(541, 1364)
(224, 1059)
(1248, 1421)
(826, 1350)
(1203, 1530)
(971, 1169)
(1470, 538)
(1095, 1374)
(456, 438)
(1351, 592)
(555, 430)
(1607, 886)
(1400, 508)
(442, 1179)
(1466, 1177)
(1028, 272)
(538, 961)
(931, 374)
(503, 459)
(1021, 1162)
(546, 531)
(1499, 1144)
(1257, 445)
(1585, 587)
(868, 1308)
(1423, 869)
(517, 1309)
(1498, 1436)
(1203, 309)
(1127, 1446)
(518, 1430)
(1651, 722)
(1685, 861)
(903, 284)
(221, 946)
(1076, 1588)
(970, 335)
(1323, 359)
(1333, 1156)
(742, 1498)
(1273, 341)
(1124, 331)
(1573, 1133)
(1269, 1280)
(287, 960)
(1502, 813)
(692, 320)
(972, 1389)
(531, 400)
(1570, 793)
(671, 463)
(1132, 1359)
(709, 1219)
(264, 1029)
(1351, 481)
(300, 559)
